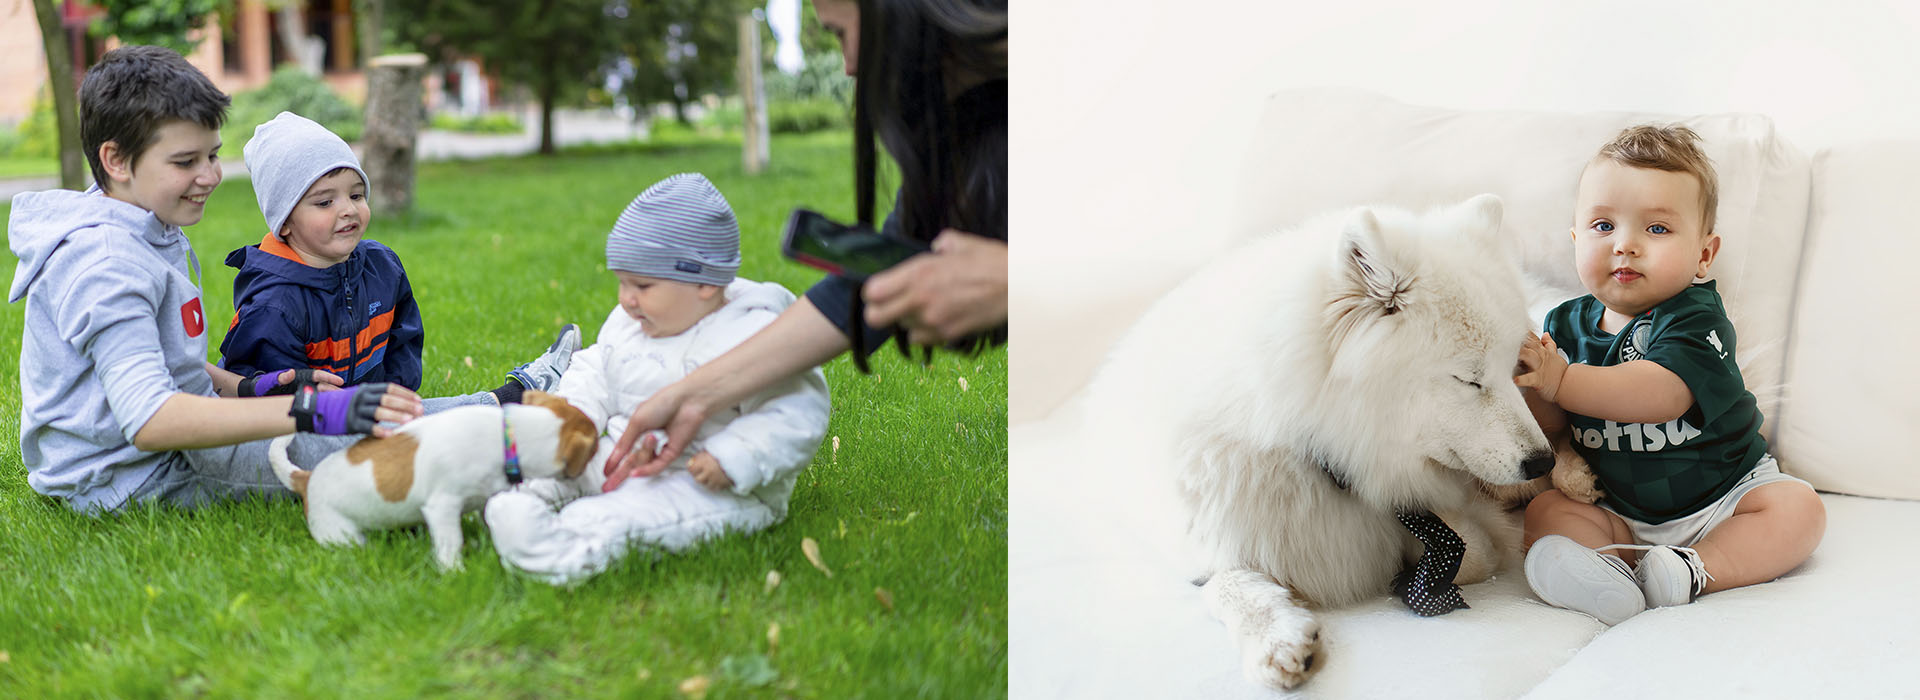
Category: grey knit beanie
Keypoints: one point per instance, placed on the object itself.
(679, 229)
(286, 156)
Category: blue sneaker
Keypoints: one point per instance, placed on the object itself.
(543, 373)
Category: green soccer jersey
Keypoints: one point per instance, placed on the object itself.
(1655, 472)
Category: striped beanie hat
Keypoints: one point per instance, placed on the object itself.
(679, 229)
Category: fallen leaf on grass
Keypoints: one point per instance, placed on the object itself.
(836, 449)
(643, 674)
(773, 579)
(469, 360)
(963, 383)
(695, 687)
(773, 637)
(553, 284)
(812, 550)
(885, 596)
(5, 658)
(753, 671)
(449, 376)
(960, 428)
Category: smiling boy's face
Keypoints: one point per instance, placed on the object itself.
(173, 177)
(328, 221)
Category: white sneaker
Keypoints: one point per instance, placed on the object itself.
(1670, 575)
(1565, 574)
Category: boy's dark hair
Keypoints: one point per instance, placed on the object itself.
(135, 90)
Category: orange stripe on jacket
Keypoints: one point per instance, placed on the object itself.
(339, 350)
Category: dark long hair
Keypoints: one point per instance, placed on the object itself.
(931, 87)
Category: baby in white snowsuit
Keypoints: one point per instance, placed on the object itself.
(675, 250)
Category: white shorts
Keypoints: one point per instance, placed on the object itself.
(1686, 530)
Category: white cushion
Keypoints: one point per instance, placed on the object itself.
(1319, 149)
(1853, 400)
(1091, 617)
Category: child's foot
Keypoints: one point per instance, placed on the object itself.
(1565, 574)
(523, 529)
(544, 371)
(1670, 575)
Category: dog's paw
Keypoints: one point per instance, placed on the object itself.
(1284, 656)
(1575, 478)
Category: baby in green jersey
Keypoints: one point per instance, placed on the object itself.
(1642, 372)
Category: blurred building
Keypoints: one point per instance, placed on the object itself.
(237, 52)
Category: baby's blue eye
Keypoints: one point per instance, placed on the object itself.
(1656, 228)
(1602, 226)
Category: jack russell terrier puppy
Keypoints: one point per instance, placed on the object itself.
(436, 468)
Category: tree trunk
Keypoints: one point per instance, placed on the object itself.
(53, 38)
(754, 152)
(394, 106)
(368, 20)
(549, 94)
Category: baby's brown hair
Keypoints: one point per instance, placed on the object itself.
(1673, 148)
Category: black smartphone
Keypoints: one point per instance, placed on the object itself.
(851, 251)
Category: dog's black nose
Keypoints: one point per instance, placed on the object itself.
(1537, 465)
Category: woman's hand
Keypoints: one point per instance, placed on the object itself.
(960, 288)
(665, 409)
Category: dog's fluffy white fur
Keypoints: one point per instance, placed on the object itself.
(434, 469)
(1378, 342)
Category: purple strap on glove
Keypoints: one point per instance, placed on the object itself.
(349, 410)
(268, 383)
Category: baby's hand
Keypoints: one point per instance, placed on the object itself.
(1541, 366)
(707, 471)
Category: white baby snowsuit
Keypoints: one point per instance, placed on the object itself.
(762, 444)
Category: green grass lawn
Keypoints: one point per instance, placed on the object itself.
(238, 600)
(30, 167)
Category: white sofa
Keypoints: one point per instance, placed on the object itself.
(1815, 266)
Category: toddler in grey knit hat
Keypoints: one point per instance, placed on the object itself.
(675, 249)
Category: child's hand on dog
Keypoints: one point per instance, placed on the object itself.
(1543, 366)
(707, 471)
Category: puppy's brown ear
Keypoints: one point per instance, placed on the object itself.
(576, 449)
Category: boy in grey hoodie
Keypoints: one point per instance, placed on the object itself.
(118, 402)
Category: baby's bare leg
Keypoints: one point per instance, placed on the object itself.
(1773, 529)
(1553, 513)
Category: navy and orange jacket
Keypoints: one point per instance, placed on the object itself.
(356, 319)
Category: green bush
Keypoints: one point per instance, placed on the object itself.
(39, 135)
(805, 116)
(490, 123)
(823, 77)
(291, 90)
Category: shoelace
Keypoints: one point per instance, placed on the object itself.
(1697, 569)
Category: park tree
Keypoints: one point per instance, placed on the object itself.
(60, 81)
(157, 22)
(679, 50)
(558, 48)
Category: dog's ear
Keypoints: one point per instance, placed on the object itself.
(578, 438)
(1481, 217)
(1369, 277)
(576, 448)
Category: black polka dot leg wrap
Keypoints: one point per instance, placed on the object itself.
(1427, 587)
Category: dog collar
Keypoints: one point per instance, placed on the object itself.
(509, 450)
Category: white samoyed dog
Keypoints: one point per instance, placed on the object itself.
(1376, 343)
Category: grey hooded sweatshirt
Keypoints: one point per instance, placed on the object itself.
(114, 327)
